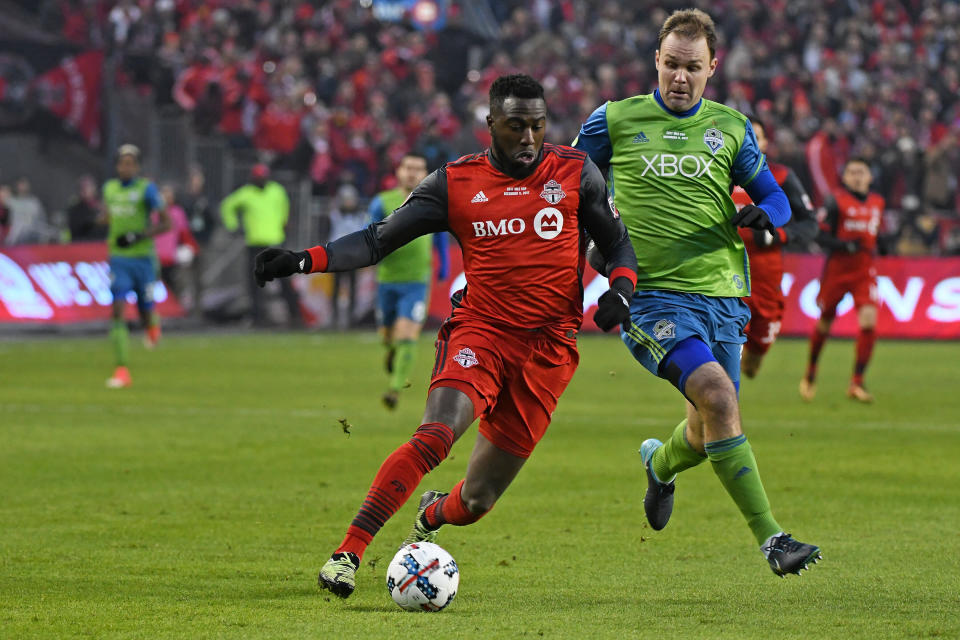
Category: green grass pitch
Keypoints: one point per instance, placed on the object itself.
(201, 502)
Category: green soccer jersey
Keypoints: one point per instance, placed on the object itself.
(671, 176)
(412, 261)
(129, 210)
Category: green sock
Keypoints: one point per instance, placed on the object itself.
(734, 464)
(404, 351)
(119, 338)
(675, 455)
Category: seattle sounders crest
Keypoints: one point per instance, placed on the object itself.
(713, 138)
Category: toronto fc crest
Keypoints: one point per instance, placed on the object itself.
(552, 192)
(466, 358)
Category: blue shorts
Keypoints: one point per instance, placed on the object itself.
(401, 300)
(659, 320)
(133, 274)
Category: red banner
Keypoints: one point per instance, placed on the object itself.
(919, 297)
(43, 84)
(63, 283)
(71, 91)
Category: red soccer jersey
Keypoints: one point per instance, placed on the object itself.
(520, 239)
(858, 219)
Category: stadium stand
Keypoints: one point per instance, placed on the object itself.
(330, 91)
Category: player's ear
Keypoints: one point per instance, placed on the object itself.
(713, 67)
(489, 121)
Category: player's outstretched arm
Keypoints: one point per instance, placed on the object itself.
(602, 221)
(425, 211)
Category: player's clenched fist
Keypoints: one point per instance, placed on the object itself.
(751, 216)
(279, 263)
(613, 307)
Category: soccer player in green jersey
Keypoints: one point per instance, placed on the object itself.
(671, 158)
(403, 279)
(129, 203)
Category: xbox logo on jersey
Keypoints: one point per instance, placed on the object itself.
(548, 223)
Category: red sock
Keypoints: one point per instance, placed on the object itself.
(817, 338)
(451, 510)
(865, 341)
(398, 476)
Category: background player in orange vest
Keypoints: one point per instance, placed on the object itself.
(508, 349)
(849, 233)
(765, 251)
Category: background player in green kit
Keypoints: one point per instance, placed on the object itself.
(671, 158)
(403, 279)
(129, 202)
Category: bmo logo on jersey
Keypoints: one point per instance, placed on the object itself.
(548, 223)
(502, 227)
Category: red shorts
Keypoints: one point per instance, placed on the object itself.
(514, 378)
(838, 280)
(764, 325)
(766, 311)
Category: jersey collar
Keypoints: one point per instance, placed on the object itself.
(492, 159)
(677, 114)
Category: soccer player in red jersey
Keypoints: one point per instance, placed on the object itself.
(765, 252)
(520, 211)
(849, 233)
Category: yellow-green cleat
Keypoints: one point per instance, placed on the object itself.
(339, 574)
(420, 531)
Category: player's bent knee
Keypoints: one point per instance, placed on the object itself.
(750, 363)
(718, 399)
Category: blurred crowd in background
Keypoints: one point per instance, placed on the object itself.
(326, 89)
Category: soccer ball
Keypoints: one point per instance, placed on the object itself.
(423, 577)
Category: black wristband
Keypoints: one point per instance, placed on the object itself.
(304, 261)
(623, 285)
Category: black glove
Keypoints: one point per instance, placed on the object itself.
(765, 238)
(613, 307)
(752, 216)
(595, 259)
(851, 246)
(129, 238)
(279, 263)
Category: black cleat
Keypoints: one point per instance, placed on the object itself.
(787, 555)
(658, 501)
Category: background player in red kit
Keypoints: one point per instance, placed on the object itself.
(849, 232)
(508, 350)
(765, 252)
